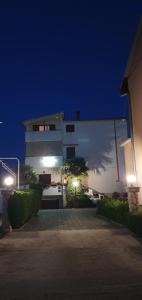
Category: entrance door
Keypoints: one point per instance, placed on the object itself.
(45, 179)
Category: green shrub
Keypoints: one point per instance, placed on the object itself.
(36, 186)
(83, 201)
(114, 209)
(134, 222)
(80, 199)
(118, 211)
(23, 205)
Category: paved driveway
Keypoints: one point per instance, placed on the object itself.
(70, 254)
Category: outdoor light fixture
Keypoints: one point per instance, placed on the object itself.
(75, 183)
(49, 161)
(8, 181)
(131, 179)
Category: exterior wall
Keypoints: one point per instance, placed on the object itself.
(44, 148)
(36, 136)
(55, 173)
(105, 182)
(128, 158)
(52, 191)
(135, 89)
(95, 141)
(37, 162)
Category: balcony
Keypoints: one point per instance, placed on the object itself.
(38, 136)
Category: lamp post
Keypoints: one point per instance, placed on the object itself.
(9, 170)
(5, 193)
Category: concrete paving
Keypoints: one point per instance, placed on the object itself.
(70, 254)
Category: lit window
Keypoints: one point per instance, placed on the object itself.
(41, 128)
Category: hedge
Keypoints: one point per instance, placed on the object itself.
(83, 201)
(114, 209)
(134, 222)
(117, 210)
(23, 205)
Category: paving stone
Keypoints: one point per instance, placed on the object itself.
(70, 254)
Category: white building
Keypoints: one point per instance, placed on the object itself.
(51, 139)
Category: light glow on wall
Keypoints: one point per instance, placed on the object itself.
(49, 161)
(131, 178)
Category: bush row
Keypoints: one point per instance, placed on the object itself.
(113, 209)
(23, 205)
(117, 210)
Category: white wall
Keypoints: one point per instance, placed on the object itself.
(94, 140)
(52, 191)
(37, 136)
(36, 162)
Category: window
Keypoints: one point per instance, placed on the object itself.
(52, 127)
(35, 127)
(70, 151)
(70, 128)
(41, 128)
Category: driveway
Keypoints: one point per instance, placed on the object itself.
(70, 254)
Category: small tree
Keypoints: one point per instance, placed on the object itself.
(27, 175)
(75, 167)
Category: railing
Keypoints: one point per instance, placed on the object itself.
(37, 136)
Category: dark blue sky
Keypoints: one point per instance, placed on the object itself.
(62, 56)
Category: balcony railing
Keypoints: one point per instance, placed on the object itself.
(38, 136)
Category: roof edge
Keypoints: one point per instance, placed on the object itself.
(59, 115)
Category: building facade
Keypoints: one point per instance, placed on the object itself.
(132, 86)
(52, 139)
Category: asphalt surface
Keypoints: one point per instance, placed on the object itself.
(70, 254)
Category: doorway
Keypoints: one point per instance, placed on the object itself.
(45, 179)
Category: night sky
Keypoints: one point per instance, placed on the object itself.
(62, 56)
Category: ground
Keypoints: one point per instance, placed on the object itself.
(70, 254)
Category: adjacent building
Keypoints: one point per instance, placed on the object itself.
(52, 139)
(132, 86)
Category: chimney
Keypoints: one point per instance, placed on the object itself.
(77, 115)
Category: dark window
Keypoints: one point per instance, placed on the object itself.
(70, 128)
(35, 127)
(52, 127)
(70, 152)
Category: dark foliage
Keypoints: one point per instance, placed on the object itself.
(23, 205)
(118, 211)
(75, 167)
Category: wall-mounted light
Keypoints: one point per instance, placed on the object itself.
(75, 183)
(131, 179)
(49, 161)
